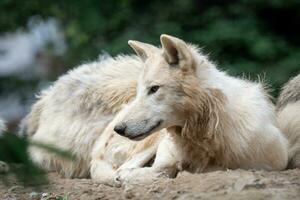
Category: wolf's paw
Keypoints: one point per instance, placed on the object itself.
(116, 183)
(136, 176)
(122, 176)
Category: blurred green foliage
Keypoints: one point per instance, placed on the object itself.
(13, 151)
(244, 36)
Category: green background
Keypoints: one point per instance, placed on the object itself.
(245, 37)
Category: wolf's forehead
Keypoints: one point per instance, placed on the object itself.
(155, 64)
(156, 68)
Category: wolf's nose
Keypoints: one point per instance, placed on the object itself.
(120, 129)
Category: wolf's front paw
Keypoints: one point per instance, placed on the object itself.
(136, 176)
(117, 182)
(122, 176)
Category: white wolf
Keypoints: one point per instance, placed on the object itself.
(288, 107)
(173, 109)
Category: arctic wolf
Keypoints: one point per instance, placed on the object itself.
(288, 107)
(173, 110)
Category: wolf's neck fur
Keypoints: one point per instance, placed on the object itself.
(206, 107)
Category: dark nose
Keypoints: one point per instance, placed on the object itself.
(120, 129)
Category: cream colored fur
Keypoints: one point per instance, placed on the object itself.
(200, 118)
(213, 120)
(74, 112)
(288, 107)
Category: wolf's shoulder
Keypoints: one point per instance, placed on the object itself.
(106, 83)
(96, 74)
(103, 69)
(290, 92)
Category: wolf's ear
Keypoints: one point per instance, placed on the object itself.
(143, 50)
(176, 51)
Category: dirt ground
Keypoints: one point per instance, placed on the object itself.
(231, 184)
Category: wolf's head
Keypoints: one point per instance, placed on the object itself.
(164, 89)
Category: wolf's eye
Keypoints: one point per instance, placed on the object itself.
(153, 89)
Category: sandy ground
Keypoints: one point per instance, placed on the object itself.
(232, 184)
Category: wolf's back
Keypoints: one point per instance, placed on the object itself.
(290, 93)
(30, 123)
(288, 108)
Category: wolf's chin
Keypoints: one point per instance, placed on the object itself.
(151, 130)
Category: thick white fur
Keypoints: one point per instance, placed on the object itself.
(244, 131)
(74, 112)
(79, 112)
(288, 107)
(289, 122)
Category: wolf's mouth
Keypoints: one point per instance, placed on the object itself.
(147, 133)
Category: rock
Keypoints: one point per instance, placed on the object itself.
(4, 168)
(10, 198)
(241, 184)
(35, 196)
(45, 196)
(129, 193)
(14, 188)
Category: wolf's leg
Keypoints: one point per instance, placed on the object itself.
(76, 168)
(134, 164)
(165, 165)
(41, 158)
(140, 159)
(103, 172)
